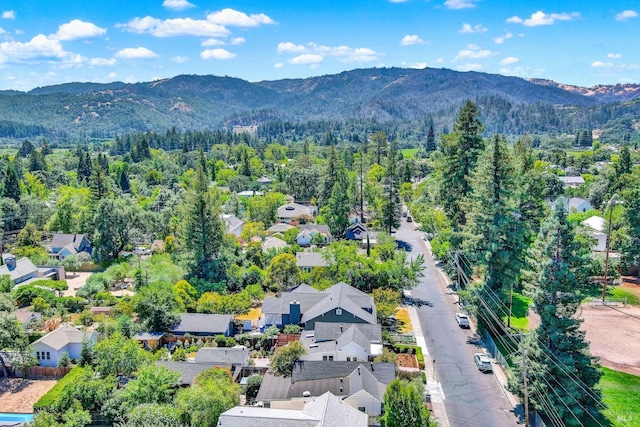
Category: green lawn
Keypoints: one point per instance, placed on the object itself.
(409, 153)
(621, 394)
(623, 293)
(519, 312)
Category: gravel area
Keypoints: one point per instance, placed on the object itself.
(19, 395)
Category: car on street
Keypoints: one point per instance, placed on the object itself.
(463, 320)
(409, 218)
(483, 362)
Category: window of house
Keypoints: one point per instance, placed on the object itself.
(325, 358)
(48, 356)
(348, 359)
(38, 355)
(330, 357)
(362, 408)
(338, 311)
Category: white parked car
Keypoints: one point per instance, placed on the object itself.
(463, 320)
(483, 362)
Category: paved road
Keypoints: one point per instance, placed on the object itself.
(471, 398)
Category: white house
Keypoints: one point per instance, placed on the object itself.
(50, 347)
(233, 224)
(595, 229)
(571, 181)
(286, 213)
(346, 342)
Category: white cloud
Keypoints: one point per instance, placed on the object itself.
(101, 62)
(469, 67)
(473, 52)
(216, 54)
(136, 53)
(212, 42)
(235, 18)
(468, 29)
(313, 52)
(278, 65)
(418, 65)
(509, 60)
(174, 27)
(180, 59)
(290, 47)
(541, 18)
(614, 55)
(599, 64)
(112, 75)
(9, 14)
(627, 14)
(237, 40)
(503, 38)
(411, 39)
(307, 58)
(459, 4)
(177, 4)
(40, 47)
(77, 29)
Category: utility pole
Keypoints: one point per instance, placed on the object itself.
(524, 380)
(606, 257)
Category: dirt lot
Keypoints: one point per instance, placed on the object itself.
(614, 333)
(19, 395)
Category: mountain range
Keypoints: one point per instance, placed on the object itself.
(405, 97)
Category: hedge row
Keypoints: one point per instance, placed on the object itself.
(54, 394)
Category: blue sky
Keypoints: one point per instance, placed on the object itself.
(44, 42)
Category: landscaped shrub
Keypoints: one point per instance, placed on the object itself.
(55, 393)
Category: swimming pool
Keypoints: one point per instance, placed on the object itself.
(21, 418)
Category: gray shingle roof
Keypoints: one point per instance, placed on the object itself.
(346, 297)
(310, 259)
(292, 210)
(320, 228)
(199, 323)
(220, 355)
(62, 240)
(328, 331)
(275, 243)
(279, 228)
(24, 267)
(64, 335)
(188, 370)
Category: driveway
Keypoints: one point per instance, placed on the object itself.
(471, 398)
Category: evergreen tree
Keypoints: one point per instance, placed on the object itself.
(493, 222)
(203, 232)
(45, 149)
(123, 180)
(84, 167)
(331, 172)
(461, 150)
(431, 140)
(631, 245)
(336, 212)
(391, 204)
(37, 161)
(561, 368)
(11, 184)
(379, 140)
(99, 181)
(25, 149)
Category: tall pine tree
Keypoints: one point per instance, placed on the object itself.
(391, 204)
(560, 367)
(431, 140)
(11, 183)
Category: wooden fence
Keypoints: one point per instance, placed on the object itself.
(47, 372)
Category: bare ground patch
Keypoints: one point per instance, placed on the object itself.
(614, 336)
(19, 395)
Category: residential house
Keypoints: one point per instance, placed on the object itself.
(595, 228)
(150, 340)
(188, 370)
(263, 180)
(249, 193)
(359, 232)
(359, 385)
(157, 246)
(64, 245)
(326, 410)
(340, 303)
(342, 342)
(206, 325)
(236, 356)
(50, 347)
(577, 204)
(571, 181)
(290, 211)
(308, 231)
(307, 260)
(274, 243)
(26, 317)
(279, 228)
(233, 224)
(20, 270)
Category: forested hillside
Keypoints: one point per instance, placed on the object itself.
(403, 102)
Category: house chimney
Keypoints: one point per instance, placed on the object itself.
(294, 312)
(11, 263)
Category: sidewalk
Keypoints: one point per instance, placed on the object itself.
(433, 388)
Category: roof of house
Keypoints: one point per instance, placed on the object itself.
(264, 180)
(24, 267)
(350, 335)
(318, 377)
(576, 202)
(279, 228)
(346, 297)
(157, 246)
(249, 193)
(274, 243)
(221, 355)
(595, 222)
(188, 370)
(330, 331)
(231, 221)
(571, 179)
(62, 240)
(24, 315)
(310, 259)
(202, 323)
(320, 228)
(326, 410)
(148, 336)
(292, 210)
(304, 288)
(63, 336)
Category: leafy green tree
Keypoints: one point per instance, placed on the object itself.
(631, 245)
(336, 212)
(303, 177)
(11, 184)
(403, 406)
(186, 296)
(119, 355)
(291, 329)
(203, 228)
(460, 153)
(64, 360)
(6, 284)
(282, 273)
(114, 221)
(154, 415)
(559, 279)
(283, 360)
(152, 384)
(87, 353)
(26, 148)
(387, 302)
(157, 307)
(253, 386)
(391, 204)
(99, 181)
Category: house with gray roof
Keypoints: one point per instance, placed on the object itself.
(340, 303)
(64, 245)
(50, 347)
(571, 181)
(360, 385)
(309, 231)
(274, 243)
(326, 410)
(307, 260)
(233, 224)
(20, 270)
(290, 211)
(342, 342)
(207, 325)
(279, 228)
(188, 370)
(236, 356)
